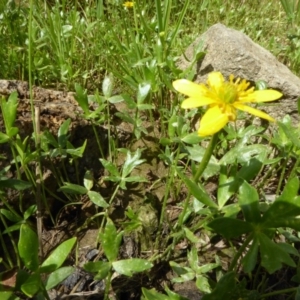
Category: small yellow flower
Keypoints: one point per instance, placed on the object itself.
(128, 4)
(223, 98)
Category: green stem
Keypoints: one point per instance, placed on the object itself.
(290, 290)
(200, 223)
(97, 140)
(110, 202)
(240, 252)
(171, 175)
(107, 285)
(204, 162)
(295, 167)
(206, 157)
(282, 175)
(5, 250)
(159, 15)
(114, 194)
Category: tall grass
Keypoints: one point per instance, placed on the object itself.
(78, 41)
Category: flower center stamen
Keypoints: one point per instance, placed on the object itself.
(228, 93)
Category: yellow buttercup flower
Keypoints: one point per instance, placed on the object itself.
(128, 4)
(223, 98)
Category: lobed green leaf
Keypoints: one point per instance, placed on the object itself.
(130, 266)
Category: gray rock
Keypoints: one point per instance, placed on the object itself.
(232, 52)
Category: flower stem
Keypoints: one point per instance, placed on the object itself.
(206, 157)
(240, 252)
(204, 162)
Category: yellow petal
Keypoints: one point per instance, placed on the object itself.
(253, 111)
(197, 102)
(215, 80)
(262, 96)
(266, 95)
(189, 88)
(213, 121)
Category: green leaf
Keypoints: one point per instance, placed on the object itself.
(111, 240)
(32, 285)
(12, 131)
(58, 256)
(131, 104)
(190, 235)
(115, 99)
(8, 296)
(78, 152)
(249, 261)
(272, 255)
(249, 202)
(95, 267)
(48, 138)
(102, 269)
(81, 98)
(297, 296)
(261, 85)
(229, 227)
(245, 133)
(153, 295)
(63, 133)
(174, 296)
(281, 209)
(97, 199)
(130, 266)
(227, 186)
(290, 133)
(185, 273)
(191, 138)
(171, 126)
(276, 222)
(4, 138)
(30, 211)
(88, 180)
(125, 117)
(131, 162)
(12, 228)
(11, 216)
(288, 248)
(231, 210)
(28, 247)
(250, 169)
(9, 110)
(244, 153)
(203, 284)
(143, 91)
(22, 276)
(58, 276)
(207, 268)
(223, 289)
(145, 106)
(291, 189)
(15, 184)
(197, 191)
(193, 259)
(73, 189)
(110, 167)
(285, 206)
(107, 86)
(135, 179)
(196, 153)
